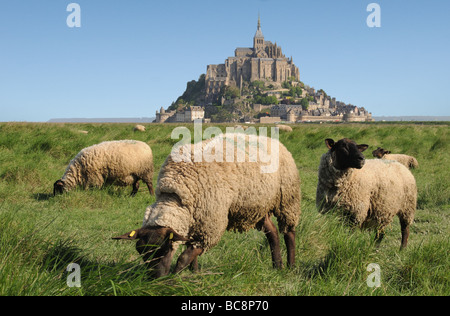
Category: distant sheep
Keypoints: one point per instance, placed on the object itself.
(139, 128)
(196, 202)
(122, 163)
(285, 128)
(369, 193)
(408, 161)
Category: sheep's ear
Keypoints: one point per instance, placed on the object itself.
(174, 236)
(362, 147)
(386, 152)
(329, 142)
(134, 234)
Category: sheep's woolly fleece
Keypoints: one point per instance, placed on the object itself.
(119, 162)
(201, 200)
(370, 196)
(407, 161)
(285, 128)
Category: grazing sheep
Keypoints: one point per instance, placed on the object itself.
(196, 202)
(139, 128)
(122, 162)
(285, 128)
(369, 193)
(244, 127)
(408, 161)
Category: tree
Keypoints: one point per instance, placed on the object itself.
(286, 85)
(257, 85)
(230, 92)
(295, 92)
(262, 113)
(223, 116)
(265, 99)
(305, 104)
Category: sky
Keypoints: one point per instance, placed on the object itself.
(129, 58)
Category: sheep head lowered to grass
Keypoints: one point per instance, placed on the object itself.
(122, 163)
(196, 202)
(156, 245)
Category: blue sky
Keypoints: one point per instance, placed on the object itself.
(129, 58)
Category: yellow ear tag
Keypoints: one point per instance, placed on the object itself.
(132, 233)
(171, 236)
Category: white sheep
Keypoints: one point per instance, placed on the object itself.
(196, 202)
(244, 127)
(122, 163)
(408, 161)
(369, 193)
(139, 128)
(285, 128)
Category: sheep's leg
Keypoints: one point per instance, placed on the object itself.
(194, 265)
(405, 233)
(379, 237)
(150, 188)
(187, 257)
(274, 241)
(289, 239)
(135, 188)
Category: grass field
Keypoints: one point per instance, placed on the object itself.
(40, 235)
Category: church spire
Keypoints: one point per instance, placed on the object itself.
(259, 33)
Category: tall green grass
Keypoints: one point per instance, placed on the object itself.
(40, 235)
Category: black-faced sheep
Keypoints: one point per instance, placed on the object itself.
(121, 163)
(196, 202)
(369, 193)
(408, 161)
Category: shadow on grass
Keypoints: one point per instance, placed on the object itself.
(42, 196)
(114, 278)
(95, 277)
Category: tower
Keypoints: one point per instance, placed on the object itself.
(258, 39)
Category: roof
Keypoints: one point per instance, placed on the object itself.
(244, 49)
(259, 33)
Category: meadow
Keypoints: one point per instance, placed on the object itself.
(40, 235)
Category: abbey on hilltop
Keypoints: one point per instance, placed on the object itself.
(258, 84)
(263, 61)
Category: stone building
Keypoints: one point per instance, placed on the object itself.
(185, 116)
(263, 61)
(162, 116)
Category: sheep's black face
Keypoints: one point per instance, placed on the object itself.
(155, 244)
(346, 153)
(380, 152)
(58, 187)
